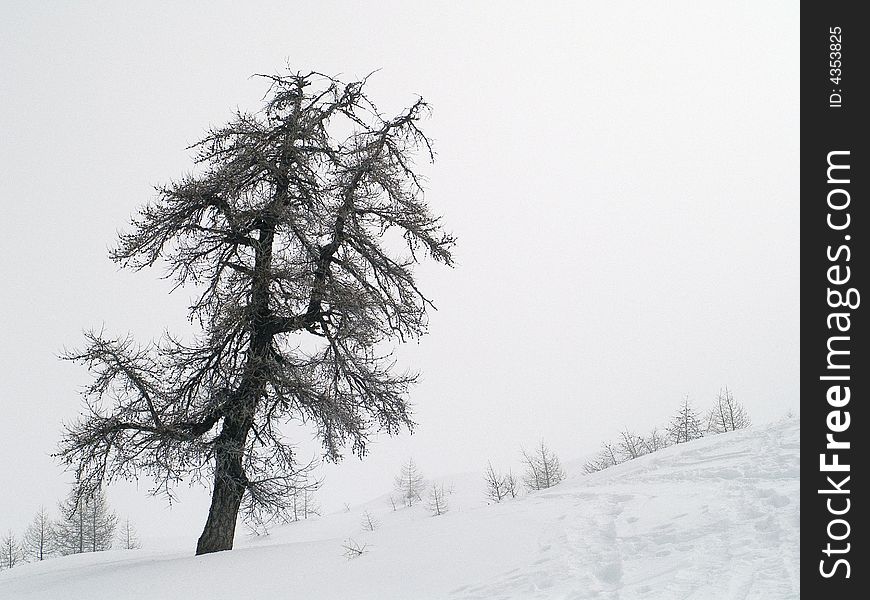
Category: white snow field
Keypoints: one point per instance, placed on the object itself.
(715, 519)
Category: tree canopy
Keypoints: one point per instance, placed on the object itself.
(284, 230)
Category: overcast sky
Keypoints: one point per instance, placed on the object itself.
(622, 178)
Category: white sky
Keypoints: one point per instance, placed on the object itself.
(622, 177)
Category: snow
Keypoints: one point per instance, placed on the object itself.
(714, 518)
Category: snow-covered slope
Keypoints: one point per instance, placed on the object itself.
(714, 519)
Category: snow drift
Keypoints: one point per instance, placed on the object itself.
(717, 518)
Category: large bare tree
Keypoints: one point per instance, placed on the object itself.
(299, 230)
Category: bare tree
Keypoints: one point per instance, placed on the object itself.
(631, 445)
(286, 230)
(438, 504)
(298, 505)
(496, 489)
(409, 483)
(101, 522)
(38, 537)
(12, 552)
(543, 469)
(655, 440)
(353, 549)
(607, 457)
(511, 485)
(727, 414)
(85, 525)
(499, 486)
(70, 529)
(685, 426)
(304, 503)
(369, 522)
(129, 538)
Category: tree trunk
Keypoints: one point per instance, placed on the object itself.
(229, 487)
(81, 529)
(230, 481)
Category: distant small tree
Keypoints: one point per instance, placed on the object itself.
(369, 522)
(70, 529)
(438, 504)
(409, 483)
(86, 524)
(293, 500)
(303, 504)
(353, 549)
(630, 445)
(655, 440)
(499, 486)
(309, 505)
(101, 522)
(727, 414)
(543, 469)
(129, 538)
(496, 489)
(607, 457)
(11, 550)
(685, 426)
(38, 537)
(511, 485)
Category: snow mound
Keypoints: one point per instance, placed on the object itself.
(715, 518)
